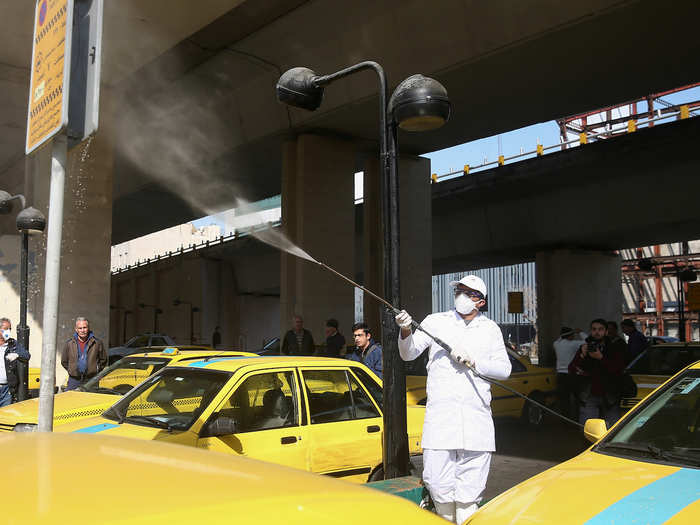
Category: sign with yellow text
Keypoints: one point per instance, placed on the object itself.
(693, 297)
(48, 89)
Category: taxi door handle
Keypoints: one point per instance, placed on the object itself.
(373, 428)
(286, 440)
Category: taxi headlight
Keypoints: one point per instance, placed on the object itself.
(25, 427)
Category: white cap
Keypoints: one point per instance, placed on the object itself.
(473, 282)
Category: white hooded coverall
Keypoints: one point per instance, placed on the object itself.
(458, 433)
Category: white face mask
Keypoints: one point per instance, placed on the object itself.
(6, 334)
(464, 305)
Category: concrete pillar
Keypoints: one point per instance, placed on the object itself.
(87, 235)
(318, 214)
(415, 238)
(573, 288)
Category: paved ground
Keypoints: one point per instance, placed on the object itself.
(523, 451)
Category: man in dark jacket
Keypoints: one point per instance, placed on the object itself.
(83, 355)
(335, 342)
(636, 342)
(598, 367)
(11, 353)
(298, 341)
(367, 351)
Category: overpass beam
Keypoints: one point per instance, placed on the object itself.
(415, 225)
(318, 214)
(573, 288)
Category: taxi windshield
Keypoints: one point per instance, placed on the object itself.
(122, 376)
(666, 429)
(172, 399)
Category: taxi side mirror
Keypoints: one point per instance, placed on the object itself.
(220, 426)
(594, 429)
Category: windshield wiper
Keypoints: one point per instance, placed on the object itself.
(644, 449)
(672, 456)
(102, 390)
(156, 422)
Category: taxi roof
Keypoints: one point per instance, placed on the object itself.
(233, 363)
(189, 352)
(193, 486)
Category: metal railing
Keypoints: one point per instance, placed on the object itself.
(680, 112)
(236, 235)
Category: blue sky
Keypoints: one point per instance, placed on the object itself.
(508, 144)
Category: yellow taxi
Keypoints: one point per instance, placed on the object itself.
(68, 478)
(318, 414)
(536, 382)
(645, 469)
(656, 364)
(99, 393)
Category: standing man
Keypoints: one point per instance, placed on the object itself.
(367, 351)
(298, 341)
(458, 433)
(11, 353)
(598, 366)
(565, 348)
(335, 342)
(83, 355)
(636, 342)
(216, 338)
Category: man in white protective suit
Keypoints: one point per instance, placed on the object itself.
(458, 434)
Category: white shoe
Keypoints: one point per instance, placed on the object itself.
(446, 510)
(464, 511)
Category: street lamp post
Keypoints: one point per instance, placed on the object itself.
(193, 309)
(418, 104)
(29, 221)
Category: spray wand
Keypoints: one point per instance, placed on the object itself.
(444, 345)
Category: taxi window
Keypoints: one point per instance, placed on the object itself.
(665, 361)
(158, 341)
(123, 375)
(262, 402)
(329, 395)
(172, 399)
(361, 402)
(375, 390)
(516, 366)
(138, 341)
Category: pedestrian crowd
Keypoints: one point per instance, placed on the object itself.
(591, 368)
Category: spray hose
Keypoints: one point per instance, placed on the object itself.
(447, 347)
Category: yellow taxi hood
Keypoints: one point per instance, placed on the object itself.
(67, 406)
(129, 481)
(598, 489)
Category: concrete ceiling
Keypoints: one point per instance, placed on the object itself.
(198, 123)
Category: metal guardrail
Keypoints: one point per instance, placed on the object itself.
(681, 113)
(236, 235)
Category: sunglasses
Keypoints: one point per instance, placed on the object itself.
(473, 294)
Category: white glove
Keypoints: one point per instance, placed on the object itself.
(403, 319)
(11, 356)
(462, 356)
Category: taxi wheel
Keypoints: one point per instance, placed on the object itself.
(532, 414)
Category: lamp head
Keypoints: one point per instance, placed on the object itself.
(419, 104)
(31, 221)
(176, 302)
(688, 275)
(296, 87)
(5, 202)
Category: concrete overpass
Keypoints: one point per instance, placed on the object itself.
(189, 121)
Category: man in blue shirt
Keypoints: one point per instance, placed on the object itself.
(367, 351)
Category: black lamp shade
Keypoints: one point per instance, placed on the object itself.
(296, 88)
(5, 202)
(419, 104)
(31, 220)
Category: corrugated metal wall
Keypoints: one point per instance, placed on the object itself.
(499, 281)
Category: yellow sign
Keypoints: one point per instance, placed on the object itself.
(48, 89)
(693, 297)
(515, 303)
